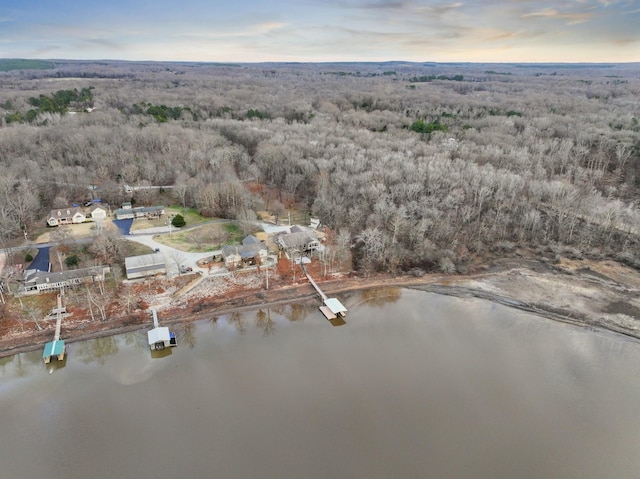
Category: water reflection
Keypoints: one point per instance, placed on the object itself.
(161, 353)
(21, 364)
(380, 297)
(239, 321)
(337, 321)
(56, 365)
(296, 311)
(189, 335)
(98, 350)
(265, 323)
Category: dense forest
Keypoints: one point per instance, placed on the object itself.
(411, 165)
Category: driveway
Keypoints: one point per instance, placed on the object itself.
(41, 261)
(173, 257)
(124, 225)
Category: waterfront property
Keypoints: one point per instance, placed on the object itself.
(36, 281)
(299, 240)
(250, 251)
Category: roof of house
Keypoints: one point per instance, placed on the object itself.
(244, 250)
(98, 206)
(35, 277)
(139, 209)
(295, 240)
(250, 239)
(68, 212)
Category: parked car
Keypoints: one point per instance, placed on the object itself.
(185, 269)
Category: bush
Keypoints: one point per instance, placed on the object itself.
(72, 260)
(447, 266)
(420, 126)
(178, 221)
(28, 258)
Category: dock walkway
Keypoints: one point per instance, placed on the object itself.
(56, 347)
(332, 308)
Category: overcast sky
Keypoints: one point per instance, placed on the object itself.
(323, 30)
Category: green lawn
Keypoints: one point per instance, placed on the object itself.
(191, 215)
(8, 64)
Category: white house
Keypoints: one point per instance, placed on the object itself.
(66, 216)
(99, 211)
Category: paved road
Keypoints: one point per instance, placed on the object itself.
(173, 256)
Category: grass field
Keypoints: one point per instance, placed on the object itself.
(190, 215)
(205, 238)
(8, 64)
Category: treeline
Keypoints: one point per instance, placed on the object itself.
(430, 78)
(426, 177)
(58, 102)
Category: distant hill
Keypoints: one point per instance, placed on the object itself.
(8, 64)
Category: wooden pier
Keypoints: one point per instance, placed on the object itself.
(332, 308)
(56, 347)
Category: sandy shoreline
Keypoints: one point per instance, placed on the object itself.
(602, 295)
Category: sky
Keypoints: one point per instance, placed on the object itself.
(322, 30)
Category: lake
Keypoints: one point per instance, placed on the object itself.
(413, 385)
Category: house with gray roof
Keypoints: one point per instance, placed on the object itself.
(36, 281)
(245, 253)
(127, 212)
(298, 240)
(66, 216)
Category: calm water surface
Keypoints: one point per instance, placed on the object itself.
(414, 385)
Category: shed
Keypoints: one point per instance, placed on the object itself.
(145, 265)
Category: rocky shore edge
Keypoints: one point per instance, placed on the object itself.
(601, 296)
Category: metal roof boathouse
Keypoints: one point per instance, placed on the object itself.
(160, 337)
